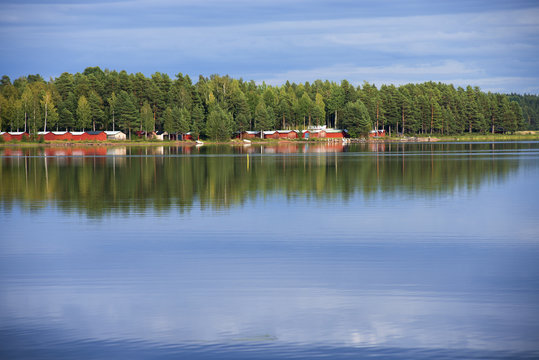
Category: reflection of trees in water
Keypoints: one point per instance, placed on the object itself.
(224, 176)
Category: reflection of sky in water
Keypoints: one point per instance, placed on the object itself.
(456, 271)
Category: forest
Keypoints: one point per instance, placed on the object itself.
(217, 106)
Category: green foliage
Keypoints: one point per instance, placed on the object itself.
(84, 114)
(219, 125)
(427, 108)
(169, 124)
(96, 107)
(356, 119)
(184, 121)
(112, 101)
(263, 120)
(147, 122)
(126, 112)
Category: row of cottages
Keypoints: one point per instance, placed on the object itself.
(68, 135)
(73, 135)
(293, 134)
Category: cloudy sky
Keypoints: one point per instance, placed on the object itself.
(492, 44)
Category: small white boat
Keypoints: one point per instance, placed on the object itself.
(199, 142)
(246, 141)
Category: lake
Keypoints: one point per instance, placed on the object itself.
(394, 251)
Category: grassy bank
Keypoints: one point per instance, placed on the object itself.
(481, 137)
(525, 136)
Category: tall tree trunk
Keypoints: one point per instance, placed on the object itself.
(283, 121)
(335, 119)
(431, 117)
(25, 120)
(402, 121)
(377, 115)
(45, 126)
(112, 120)
(34, 117)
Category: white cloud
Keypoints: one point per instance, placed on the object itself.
(388, 49)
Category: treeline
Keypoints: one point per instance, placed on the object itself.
(217, 106)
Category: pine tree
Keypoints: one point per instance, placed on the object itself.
(127, 112)
(96, 106)
(219, 125)
(262, 118)
(147, 123)
(113, 101)
(184, 121)
(84, 114)
(356, 119)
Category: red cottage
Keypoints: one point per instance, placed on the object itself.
(287, 134)
(8, 136)
(334, 134)
(94, 136)
(58, 135)
(377, 133)
(271, 135)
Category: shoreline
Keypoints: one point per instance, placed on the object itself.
(237, 142)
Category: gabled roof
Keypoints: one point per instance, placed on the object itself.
(93, 132)
(113, 132)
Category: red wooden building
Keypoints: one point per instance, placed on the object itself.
(271, 134)
(58, 135)
(287, 134)
(334, 134)
(95, 135)
(8, 136)
(377, 133)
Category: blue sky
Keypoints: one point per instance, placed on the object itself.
(492, 44)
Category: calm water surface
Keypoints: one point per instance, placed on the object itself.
(412, 251)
